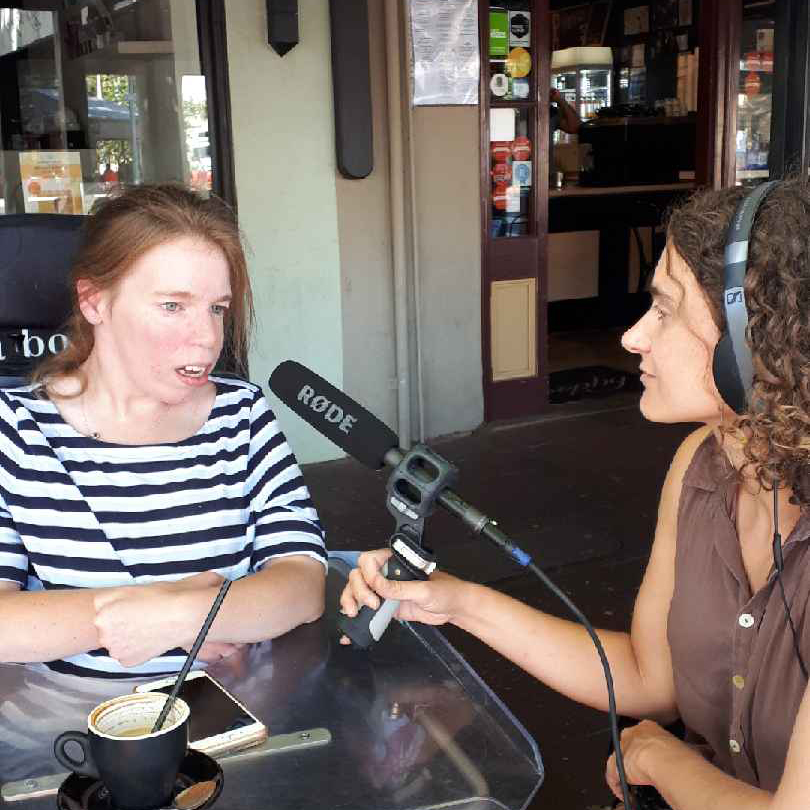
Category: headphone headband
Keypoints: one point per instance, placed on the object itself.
(733, 365)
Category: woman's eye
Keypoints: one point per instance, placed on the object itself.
(170, 306)
(219, 309)
(659, 313)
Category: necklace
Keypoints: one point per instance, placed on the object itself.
(93, 434)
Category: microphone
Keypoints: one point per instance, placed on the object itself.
(346, 423)
(364, 437)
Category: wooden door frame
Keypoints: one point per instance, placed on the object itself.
(213, 44)
(720, 33)
(719, 38)
(790, 122)
(520, 397)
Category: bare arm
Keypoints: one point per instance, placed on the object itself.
(569, 120)
(686, 780)
(689, 782)
(285, 593)
(558, 652)
(553, 649)
(46, 625)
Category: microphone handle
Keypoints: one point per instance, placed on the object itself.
(368, 625)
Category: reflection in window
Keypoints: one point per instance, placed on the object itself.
(97, 94)
(195, 128)
(113, 115)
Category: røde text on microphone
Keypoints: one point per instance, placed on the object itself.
(331, 412)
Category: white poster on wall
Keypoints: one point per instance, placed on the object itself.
(445, 54)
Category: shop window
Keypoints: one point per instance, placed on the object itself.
(755, 95)
(512, 69)
(93, 95)
(511, 138)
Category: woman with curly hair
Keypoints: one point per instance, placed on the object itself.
(720, 632)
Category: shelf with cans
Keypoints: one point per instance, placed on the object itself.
(511, 180)
(754, 100)
(513, 113)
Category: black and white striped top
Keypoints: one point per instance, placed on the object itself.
(80, 513)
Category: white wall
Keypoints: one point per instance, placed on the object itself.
(364, 217)
(446, 153)
(283, 135)
(446, 141)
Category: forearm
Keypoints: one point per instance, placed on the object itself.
(561, 654)
(41, 626)
(687, 781)
(569, 115)
(259, 606)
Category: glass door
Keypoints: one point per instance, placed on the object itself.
(93, 95)
(512, 142)
(594, 90)
(755, 93)
(516, 149)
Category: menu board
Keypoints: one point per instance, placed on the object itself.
(446, 61)
(51, 182)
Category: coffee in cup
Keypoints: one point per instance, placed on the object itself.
(138, 768)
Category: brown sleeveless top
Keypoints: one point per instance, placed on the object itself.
(738, 683)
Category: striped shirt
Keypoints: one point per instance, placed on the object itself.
(80, 513)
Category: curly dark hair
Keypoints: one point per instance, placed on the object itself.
(775, 429)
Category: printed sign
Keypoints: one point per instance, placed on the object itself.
(518, 63)
(520, 32)
(52, 182)
(522, 172)
(22, 349)
(498, 32)
(446, 57)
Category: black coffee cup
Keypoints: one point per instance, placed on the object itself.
(138, 768)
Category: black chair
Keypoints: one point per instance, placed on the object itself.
(36, 251)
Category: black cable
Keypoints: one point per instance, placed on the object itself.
(614, 725)
(792, 627)
(778, 564)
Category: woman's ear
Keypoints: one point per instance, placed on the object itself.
(91, 301)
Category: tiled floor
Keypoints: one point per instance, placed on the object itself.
(578, 491)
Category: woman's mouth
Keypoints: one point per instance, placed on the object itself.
(192, 372)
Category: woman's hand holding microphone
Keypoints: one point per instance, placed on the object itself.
(433, 601)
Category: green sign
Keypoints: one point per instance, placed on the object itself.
(498, 32)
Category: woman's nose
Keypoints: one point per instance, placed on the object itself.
(634, 340)
(206, 332)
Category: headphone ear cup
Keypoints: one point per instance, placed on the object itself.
(726, 376)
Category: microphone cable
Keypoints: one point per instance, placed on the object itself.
(527, 562)
(778, 564)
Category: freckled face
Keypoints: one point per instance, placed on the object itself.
(162, 328)
(675, 341)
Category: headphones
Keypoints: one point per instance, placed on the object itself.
(732, 365)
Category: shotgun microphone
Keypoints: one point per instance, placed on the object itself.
(338, 417)
(364, 437)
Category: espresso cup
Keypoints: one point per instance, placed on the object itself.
(138, 768)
